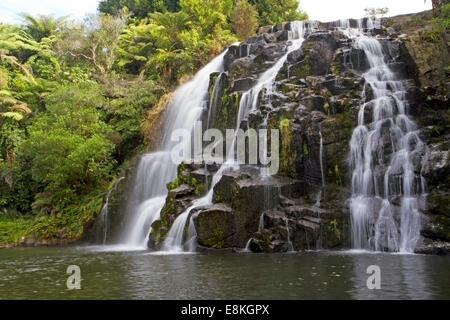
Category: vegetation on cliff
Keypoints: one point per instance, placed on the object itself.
(79, 100)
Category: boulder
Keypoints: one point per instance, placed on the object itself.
(215, 226)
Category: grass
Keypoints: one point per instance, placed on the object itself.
(11, 230)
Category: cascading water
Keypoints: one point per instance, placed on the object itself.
(215, 100)
(288, 236)
(104, 213)
(157, 169)
(319, 194)
(321, 158)
(386, 159)
(261, 222)
(249, 101)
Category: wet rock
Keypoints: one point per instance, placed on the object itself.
(319, 47)
(435, 248)
(240, 68)
(243, 84)
(265, 29)
(181, 191)
(295, 56)
(282, 35)
(215, 226)
(270, 37)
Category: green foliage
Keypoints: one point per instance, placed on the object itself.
(168, 45)
(272, 12)
(77, 98)
(442, 21)
(333, 227)
(138, 8)
(93, 43)
(69, 151)
(42, 26)
(376, 12)
(244, 19)
(432, 35)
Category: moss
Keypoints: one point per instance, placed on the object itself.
(158, 231)
(199, 188)
(227, 111)
(335, 67)
(261, 241)
(326, 94)
(333, 227)
(174, 184)
(301, 69)
(337, 175)
(439, 203)
(287, 154)
(432, 35)
(305, 149)
(168, 209)
(212, 81)
(217, 240)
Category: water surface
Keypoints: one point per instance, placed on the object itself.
(40, 273)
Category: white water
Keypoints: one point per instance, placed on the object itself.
(321, 158)
(319, 194)
(249, 100)
(105, 210)
(261, 222)
(157, 169)
(290, 246)
(387, 185)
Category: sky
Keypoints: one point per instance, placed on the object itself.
(324, 10)
(329, 10)
(77, 9)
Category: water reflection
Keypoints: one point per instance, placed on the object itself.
(39, 273)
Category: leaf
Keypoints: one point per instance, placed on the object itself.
(12, 115)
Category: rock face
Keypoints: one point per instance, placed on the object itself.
(425, 52)
(314, 104)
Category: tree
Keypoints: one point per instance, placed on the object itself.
(244, 19)
(375, 13)
(206, 14)
(68, 147)
(442, 19)
(95, 42)
(272, 12)
(137, 8)
(437, 3)
(42, 26)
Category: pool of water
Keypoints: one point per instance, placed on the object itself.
(40, 273)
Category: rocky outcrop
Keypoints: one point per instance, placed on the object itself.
(314, 104)
(425, 50)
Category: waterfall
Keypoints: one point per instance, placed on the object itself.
(321, 158)
(249, 100)
(319, 194)
(104, 225)
(247, 245)
(290, 246)
(157, 169)
(215, 100)
(261, 222)
(386, 159)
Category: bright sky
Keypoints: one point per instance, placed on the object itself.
(330, 10)
(324, 10)
(77, 9)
